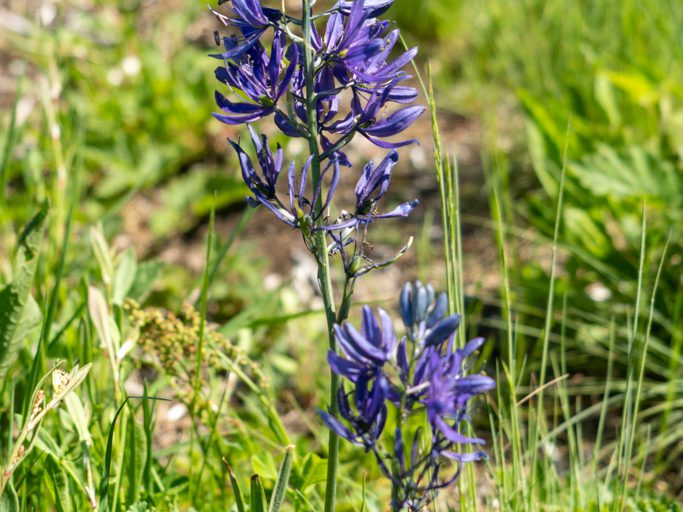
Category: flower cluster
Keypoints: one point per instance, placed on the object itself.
(334, 82)
(422, 374)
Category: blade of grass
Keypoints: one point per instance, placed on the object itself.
(237, 491)
(625, 443)
(280, 491)
(258, 495)
(106, 470)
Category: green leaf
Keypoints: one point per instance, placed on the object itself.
(630, 174)
(124, 277)
(14, 321)
(140, 506)
(258, 495)
(106, 328)
(314, 471)
(106, 472)
(606, 98)
(101, 250)
(145, 276)
(639, 88)
(264, 465)
(104, 482)
(583, 231)
(60, 483)
(78, 416)
(280, 491)
(9, 501)
(239, 497)
(136, 458)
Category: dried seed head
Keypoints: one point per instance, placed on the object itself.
(60, 380)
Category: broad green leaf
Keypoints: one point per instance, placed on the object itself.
(582, 229)
(546, 122)
(9, 501)
(264, 465)
(605, 96)
(15, 322)
(145, 276)
(104, 323)
(48, 445)
(280, 491)
(630, 174)
(60, 482)
(638, 87)
(314, 471)
(31, 320)
(101, 250)
(78, 416)
(124, 277)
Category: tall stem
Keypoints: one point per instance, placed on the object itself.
(321, 254)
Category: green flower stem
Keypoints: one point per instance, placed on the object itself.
(321, 254)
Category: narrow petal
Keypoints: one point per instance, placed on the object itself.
(388, 337)
(338, 427)
(250, 11)
(364, 346)
(395, 123)
(438, 311)
(402, 210)
(344, 367)
(388, 145)
(453, 435)
(465, 457)
(443, 330)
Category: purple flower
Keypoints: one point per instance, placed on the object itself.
(421, 374)
(371, 186)
(365, 118)
(355, 45)
(260, 77)
(372, 7)
(366, 351)
(449, 389)
(302, 208)
(349, 40)
(251, 20)
(270, 166)
(301, 211)
(365, 423)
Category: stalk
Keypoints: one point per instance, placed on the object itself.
(321, 254)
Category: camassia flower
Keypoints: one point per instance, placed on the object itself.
(422, 374)
(366, 351)
(260, 77)
(366, 418)
(356, 47)
(300, 211)
(365, 119)
(372, 7)
(252, 20)
(353, 53)
(371, 186)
